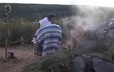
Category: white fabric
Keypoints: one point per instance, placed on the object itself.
(44, 22)
(34, 41)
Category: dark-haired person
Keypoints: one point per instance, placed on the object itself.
(47, 20)
(43, 22)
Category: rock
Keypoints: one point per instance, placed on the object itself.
(102, 65)
(90, 46)
(78, 65)
(113, 57)
(110, 33)
(82, 63)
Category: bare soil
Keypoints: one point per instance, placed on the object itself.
(24, 56)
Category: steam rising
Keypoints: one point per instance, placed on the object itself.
(101, 3)
(90, 16)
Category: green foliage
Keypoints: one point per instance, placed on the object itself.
(21, 31)
(55, 62)
(18, 29)
(36, 11)
(20, 26)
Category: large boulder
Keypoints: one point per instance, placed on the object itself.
(90, 46)
(82, 63)
(100, 40)
(101, 65)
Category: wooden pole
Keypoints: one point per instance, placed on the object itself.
(7, 13)
(6, 39)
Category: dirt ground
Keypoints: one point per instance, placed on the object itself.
(24, 56)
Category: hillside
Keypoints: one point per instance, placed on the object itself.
(35, 11)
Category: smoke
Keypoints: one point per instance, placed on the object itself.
(89, 16)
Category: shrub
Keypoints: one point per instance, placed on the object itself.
(56, 62)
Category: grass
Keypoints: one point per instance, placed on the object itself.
(56, 62)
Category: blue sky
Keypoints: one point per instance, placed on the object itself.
(105, 3)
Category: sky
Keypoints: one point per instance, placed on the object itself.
(104, 3)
